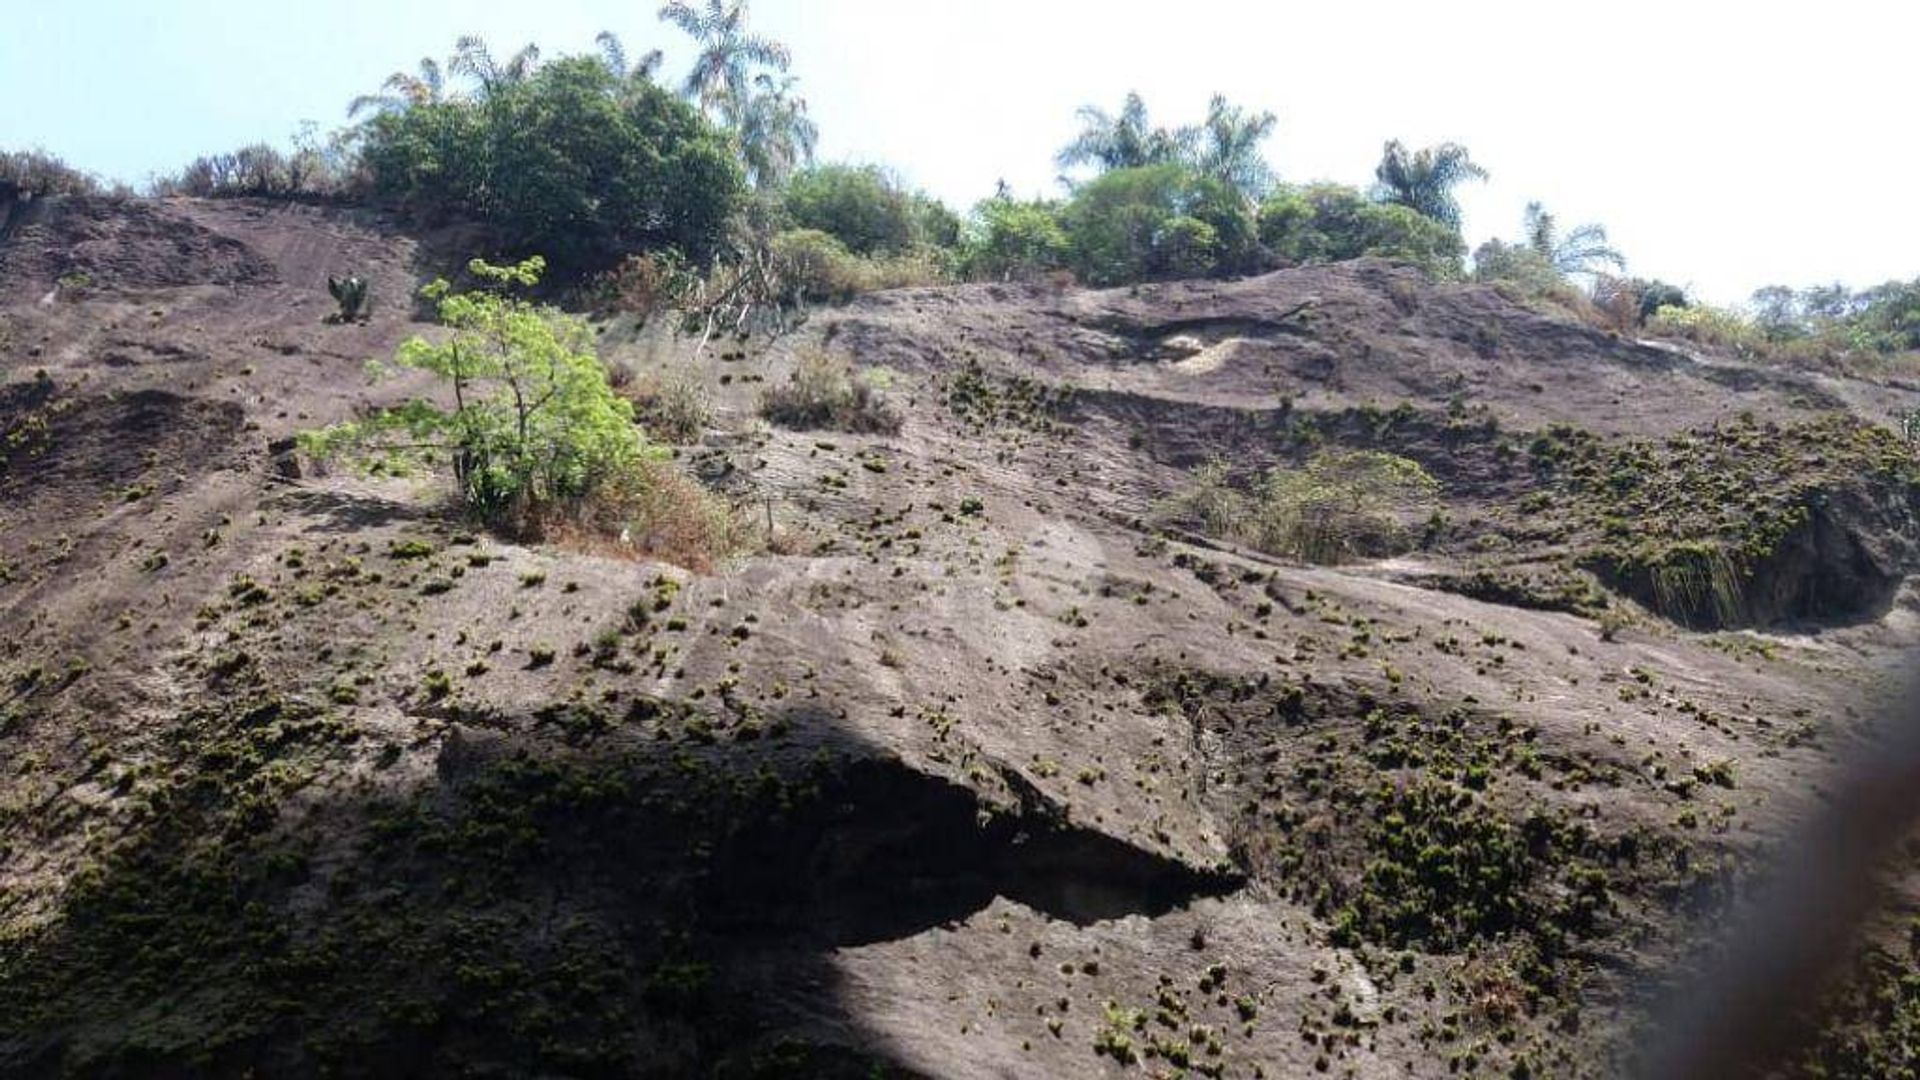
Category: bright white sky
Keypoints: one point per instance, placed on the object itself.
(1725, 146)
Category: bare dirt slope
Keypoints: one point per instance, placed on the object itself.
(301, 775)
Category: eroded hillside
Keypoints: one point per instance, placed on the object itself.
(993, 771)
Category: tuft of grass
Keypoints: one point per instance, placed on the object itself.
(823, 394)
(658, 512)
(1340, 505)
(669, 405)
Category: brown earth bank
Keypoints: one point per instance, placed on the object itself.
(994, 770)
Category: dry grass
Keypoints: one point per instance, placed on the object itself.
(659, 513)
(1338, 506)
(668, 404)
(823, 394)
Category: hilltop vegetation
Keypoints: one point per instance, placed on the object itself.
(712, 193)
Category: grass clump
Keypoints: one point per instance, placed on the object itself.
(824, 394)
(1340, 505)
(669, 405)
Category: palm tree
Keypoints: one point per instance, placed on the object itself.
(722, 72)
(1423, 181)
(775, 133)
(614, 56)
(1584, 250)
(472, 58)
(1122, 142)
(404, 90)
(1227, 147)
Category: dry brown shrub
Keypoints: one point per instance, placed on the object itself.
(659, 513)
(823, 394)
(668, 404)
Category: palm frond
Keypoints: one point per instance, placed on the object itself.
(521, 64)
(762, 50)
(683, 15)
(612, 53)
(472, 58)
(378, 103)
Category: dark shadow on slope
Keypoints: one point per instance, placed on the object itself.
(59, 445)
(344, 512)
(112, 243)
(570, 896)
(888, 852)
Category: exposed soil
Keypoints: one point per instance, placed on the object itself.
(1003, 773)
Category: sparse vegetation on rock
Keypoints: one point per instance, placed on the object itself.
(823, 393)
(1337, 506)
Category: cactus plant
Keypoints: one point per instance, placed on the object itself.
(350, 293)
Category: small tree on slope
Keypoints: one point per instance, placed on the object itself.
(533, 423)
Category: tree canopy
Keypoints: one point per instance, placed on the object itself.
(568, 158)
(1226, 146)
(867, 210)
(1157, 221)
(1330, 222)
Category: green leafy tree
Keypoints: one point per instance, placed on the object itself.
(1007, 239)
(1226, 147)
(866, 209)
(1322, 223)
(1123, 141)
(1890, 315)
(1777, 313)
(569, 160)
(1424, 180)
(1885, 318)
(729, 53)
(1159, 221)
(531, 423)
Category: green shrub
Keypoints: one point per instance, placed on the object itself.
(534, 422)
(866, 210)
(258, 171)
(1707, 325)
(1341, 504)
(1332, 222)
(1518, 265)
(1011, 240)
(670, 406)
(569, 159)
(813, 265)
(1155, 222)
